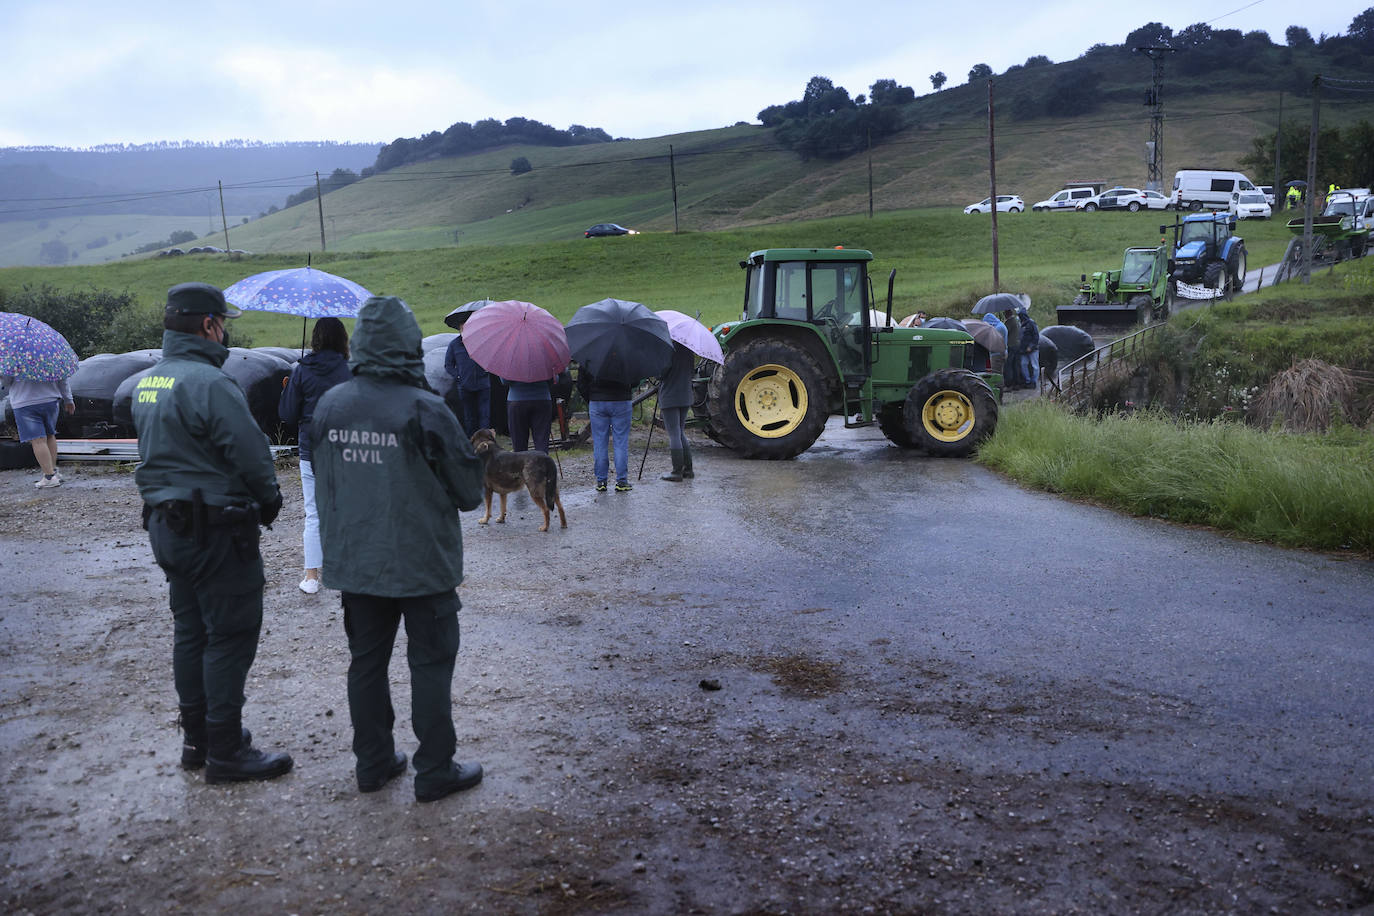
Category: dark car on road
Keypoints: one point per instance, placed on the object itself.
(601, 229)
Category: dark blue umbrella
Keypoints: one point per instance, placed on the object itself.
(455, 318)
(620, 341)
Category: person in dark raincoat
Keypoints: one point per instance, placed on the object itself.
(1028, 359)
(473, 385)
(675, 400)
(207, 480)
(393, 468)
(325, 366)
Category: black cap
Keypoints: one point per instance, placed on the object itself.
(198, 299)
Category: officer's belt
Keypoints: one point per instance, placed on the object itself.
(215, 516)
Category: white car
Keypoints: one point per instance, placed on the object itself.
(1006, 203)
(1132, 199)
(1155, 200)
(1066, 199)
(1268, 192)
(1251, 205)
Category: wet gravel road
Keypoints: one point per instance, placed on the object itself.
(937, 692)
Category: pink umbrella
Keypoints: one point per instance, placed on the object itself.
(518, 341)
(693, 335)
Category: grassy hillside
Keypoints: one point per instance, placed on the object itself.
(943, 261)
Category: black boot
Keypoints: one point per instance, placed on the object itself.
(687, 460)
(193, 739)
(456, 778)
(676, 472)
(231, 759)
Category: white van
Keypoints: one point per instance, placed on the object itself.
(1198, 188)
(1067, 199)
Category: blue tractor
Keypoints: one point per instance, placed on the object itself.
(1206, 253)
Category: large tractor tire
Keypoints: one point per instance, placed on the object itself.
(768, 400)
(949, 412)
(1235, 268)
(1214, 277)
(1144, 308)
(891, 423)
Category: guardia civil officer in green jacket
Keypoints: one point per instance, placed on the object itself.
(207, 482)
(392, 470)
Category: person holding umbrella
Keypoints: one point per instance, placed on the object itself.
(472, 382)
(616, 344)
(35, 407)
(325, 366)
(691, 339)
(35, 363)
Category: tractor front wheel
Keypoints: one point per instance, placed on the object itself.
(768, 400)
(1144, 308)
(949, 412)
(1214, 277)
(891, 423)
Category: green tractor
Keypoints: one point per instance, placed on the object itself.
(1141, 291)
(805, 348)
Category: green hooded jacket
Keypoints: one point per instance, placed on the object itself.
(392, 467)
(195, 430)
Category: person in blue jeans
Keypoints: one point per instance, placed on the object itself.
(529, 411)
(1029, 357)
(325, 366)
(609, 405)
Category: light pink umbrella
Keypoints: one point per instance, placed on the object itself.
(693, 335)
(517, 340)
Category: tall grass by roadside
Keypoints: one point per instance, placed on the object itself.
(1309, 491)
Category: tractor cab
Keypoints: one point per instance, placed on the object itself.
(826, 288)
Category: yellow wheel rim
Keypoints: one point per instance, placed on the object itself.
(948, 416)
(771, 401)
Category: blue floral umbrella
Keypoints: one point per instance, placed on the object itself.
(32, 350)
(302, 291)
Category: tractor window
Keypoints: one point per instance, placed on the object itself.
(1196, 232)
(837, 295)
(789, 297)
(1138, 267)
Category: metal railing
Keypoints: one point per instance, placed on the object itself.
(1076, 382)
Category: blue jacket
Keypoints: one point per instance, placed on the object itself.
(315, 374)
(1030, 332)
(457, 363)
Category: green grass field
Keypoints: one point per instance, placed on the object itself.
(943, 261)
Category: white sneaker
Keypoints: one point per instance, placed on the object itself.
(310, 586)
(53, 481)
(58, 474)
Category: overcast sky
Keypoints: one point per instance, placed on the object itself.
(84, 72)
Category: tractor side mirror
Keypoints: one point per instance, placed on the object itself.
(1082, 278)
(1163, 229)
(1171, 265)
(1231, 225)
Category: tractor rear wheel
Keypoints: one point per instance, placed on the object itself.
(768, 400)
(949, 412)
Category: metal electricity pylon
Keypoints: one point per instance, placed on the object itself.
(1154, 98)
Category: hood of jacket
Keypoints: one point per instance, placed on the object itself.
(180, 345)
(387, 343)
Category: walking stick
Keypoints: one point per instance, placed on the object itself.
(653, 421)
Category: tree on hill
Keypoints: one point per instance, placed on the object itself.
(826, 123)
(462, 139)
(1150, 35)
(938, 79)
(1298, 37)
(979, 72)
(1362, 27)
(520, 165)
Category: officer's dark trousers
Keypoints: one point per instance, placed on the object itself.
(431, 647)
(216, 598)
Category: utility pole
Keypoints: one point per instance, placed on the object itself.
(223, 221)
(1278, 143)
(319, 200)
(992, 197)
(672, 174)
(1311, 181)
(870, 173)
(1154, 98)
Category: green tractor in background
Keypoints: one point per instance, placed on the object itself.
(806, 348)
(1140, 292)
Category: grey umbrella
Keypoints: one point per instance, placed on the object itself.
(997, 302)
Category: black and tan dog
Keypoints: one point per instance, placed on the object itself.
(507, 472)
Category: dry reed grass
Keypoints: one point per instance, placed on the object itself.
(1307, 397)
